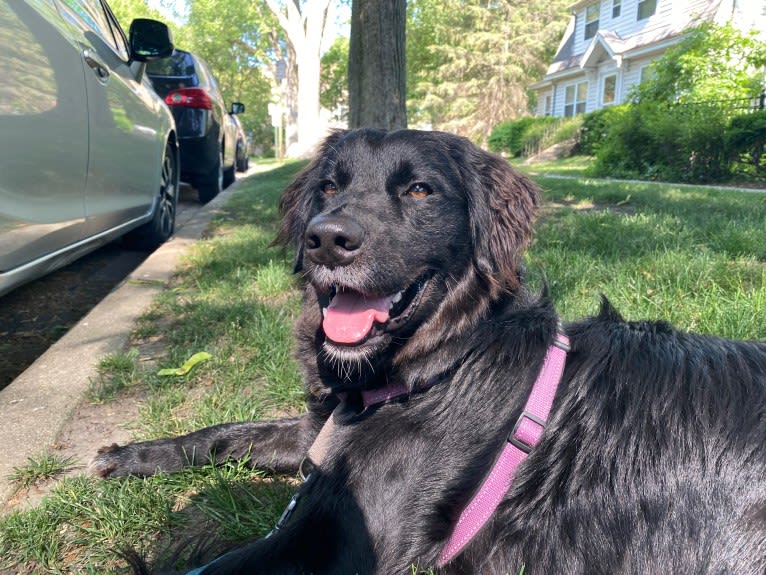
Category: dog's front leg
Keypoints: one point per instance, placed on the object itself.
(325, 534)
(279, 445)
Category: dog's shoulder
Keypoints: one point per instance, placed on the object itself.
(652, 365)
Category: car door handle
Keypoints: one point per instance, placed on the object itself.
(101, 71)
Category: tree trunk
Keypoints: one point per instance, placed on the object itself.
(291, 102)
(304, 24)
(376, 71)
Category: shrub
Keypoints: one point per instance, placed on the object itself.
(548, 131)
(668, 142)
(670, 132)
(746, 143)
(507, 136)
(533, 137)
(595, 128)
(567, 129)
(527, 135)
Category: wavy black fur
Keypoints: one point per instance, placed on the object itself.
(654, 459)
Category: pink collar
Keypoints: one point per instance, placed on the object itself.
(526, 433)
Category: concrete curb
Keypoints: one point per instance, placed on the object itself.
(39, 403)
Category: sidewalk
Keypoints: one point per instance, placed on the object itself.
(529, 170)
(39, 404)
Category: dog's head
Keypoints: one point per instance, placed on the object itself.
(402, 237)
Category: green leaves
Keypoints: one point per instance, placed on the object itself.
(711, 63)
(470, 62)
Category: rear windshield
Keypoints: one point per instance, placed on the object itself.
(175, 71)
(179, 64)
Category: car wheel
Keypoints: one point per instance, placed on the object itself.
(242, 159)
(212, 186)
(159, 229)
(229, 175)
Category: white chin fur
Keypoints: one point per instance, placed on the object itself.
(348, 360)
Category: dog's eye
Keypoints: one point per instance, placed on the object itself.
(329, 189)
(418, 191)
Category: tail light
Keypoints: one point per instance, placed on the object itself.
(189, 98)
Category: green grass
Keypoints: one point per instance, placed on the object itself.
(116, 372)
(572, 166)
(39, 469)
(692, 256)
(688, 255)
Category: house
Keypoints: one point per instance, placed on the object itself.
(609, 44)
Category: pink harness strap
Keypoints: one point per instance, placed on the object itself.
(525, 435)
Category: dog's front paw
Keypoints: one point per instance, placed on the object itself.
(116, 461)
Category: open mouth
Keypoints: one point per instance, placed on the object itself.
(352, 318)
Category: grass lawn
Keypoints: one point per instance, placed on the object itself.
(691, 256)
(572, 166)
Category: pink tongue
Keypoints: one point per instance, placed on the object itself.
(350, 316)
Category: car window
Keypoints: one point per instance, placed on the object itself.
(92, 15)
(209, 78)
(120, 41)
(212, 82)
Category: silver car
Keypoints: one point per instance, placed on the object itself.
(88, 151)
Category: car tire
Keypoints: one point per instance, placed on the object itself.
(162, 225)
(229, 175)
(242, 157)
(213, 184)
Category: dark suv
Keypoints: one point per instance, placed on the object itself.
(207, 136)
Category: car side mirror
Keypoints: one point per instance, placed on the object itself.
(237, 108)
(149, 40)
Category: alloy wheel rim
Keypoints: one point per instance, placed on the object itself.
(167, 195)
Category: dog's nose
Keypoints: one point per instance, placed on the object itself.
(333, 240)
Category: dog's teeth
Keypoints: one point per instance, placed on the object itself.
(397, 298)
(324, 311)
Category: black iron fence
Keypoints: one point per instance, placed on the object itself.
(731, 107)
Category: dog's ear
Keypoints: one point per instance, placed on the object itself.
(502, 209)
(295, 202)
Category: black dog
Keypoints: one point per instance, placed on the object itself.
(418, 335)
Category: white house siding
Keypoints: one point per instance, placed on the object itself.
(624, 45)
(626, 24)
(631, 74)
(747, 15)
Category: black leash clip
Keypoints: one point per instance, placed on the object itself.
(288, 512)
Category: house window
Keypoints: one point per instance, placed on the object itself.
(548, 107)
(591, 20)
(616, 8)
(574, 99)
(609, 94)
(646, 8)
